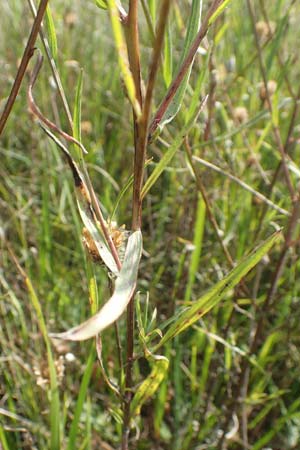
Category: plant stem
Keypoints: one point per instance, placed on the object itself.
(133, 49)
(184, 67)
(140, 144)
(144, 121)
(28, 52)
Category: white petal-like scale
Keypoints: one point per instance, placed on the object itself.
(116, 305)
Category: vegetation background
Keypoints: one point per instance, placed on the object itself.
(233, 380)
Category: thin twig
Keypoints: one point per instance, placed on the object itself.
(28, 52)
(243, 185)
(207, 203)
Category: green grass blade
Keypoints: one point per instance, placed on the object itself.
(211, 298)
(168, 62)
(3, 440)
(51, 33)
(278, 425)
(276, 42)
(77, 108)
(218, 11)
(152, 9)
(101, 4)
(54, 393)
(199, 229)
(122, 56)
(81, 399)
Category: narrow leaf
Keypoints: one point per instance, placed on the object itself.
(101, 4)
(77, 108)
(192, 29)
(168, 63)
(198, 237)
(218, 12)
(51, 33)
(54, 393)
(122, 56)
(74, 428)
(113, 309)
(149, 386)
(211, 298)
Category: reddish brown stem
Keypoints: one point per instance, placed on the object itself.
(28, 52)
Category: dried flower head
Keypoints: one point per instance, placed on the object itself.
(265, 29)
(240, 114)
(86, 127)
(41, 371)
(271, 86)
(70, 19)
(118, 234)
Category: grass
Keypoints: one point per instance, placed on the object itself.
(232, 378)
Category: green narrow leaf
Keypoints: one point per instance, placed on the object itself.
(218, 12)
(168, 62)
(3, 440)
(276, 42)
(54, 393)
(171, 151)
(219, 36)
(122, 56)
(199, 229)
(275, 110)
(113, 309)
(51, 33)
(149, 386)
(152, 9)
(102, 4)
(192, 29)
(278, 425)
(77, 108)
(211, 298)
(80, 399)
